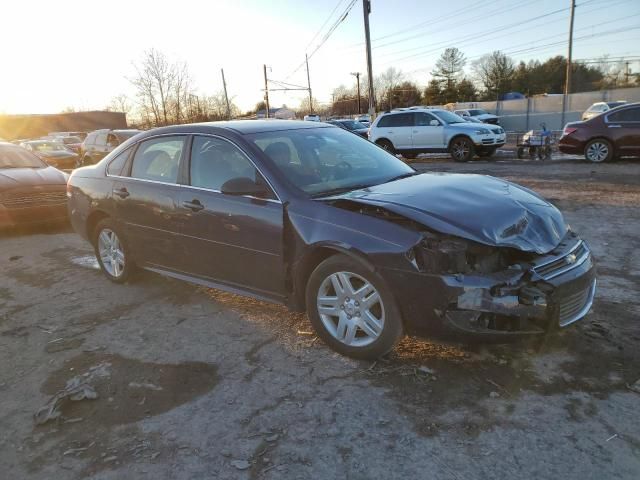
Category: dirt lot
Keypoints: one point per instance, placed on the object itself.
(194, 383)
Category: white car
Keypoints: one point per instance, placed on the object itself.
(480, 114)
(312, 118)
(415, 130)
(600, 107)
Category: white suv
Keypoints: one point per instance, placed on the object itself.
(415, 130)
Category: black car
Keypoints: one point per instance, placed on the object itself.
(316, 218)
(53, 152)
(99, 143)
(31, 191)
(352, 126)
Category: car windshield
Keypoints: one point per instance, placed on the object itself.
(615, 104)
(48, 147)
(448, 117)
(16, 157)
(324, 161)
(477, 112)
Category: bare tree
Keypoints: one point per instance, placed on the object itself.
(120, 103)
(390, 79)
(495, 72)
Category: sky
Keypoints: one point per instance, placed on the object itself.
(81, 54)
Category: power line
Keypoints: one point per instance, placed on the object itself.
(323, 25)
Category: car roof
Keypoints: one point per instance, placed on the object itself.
(243, 127)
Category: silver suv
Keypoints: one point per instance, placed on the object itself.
(415, 130)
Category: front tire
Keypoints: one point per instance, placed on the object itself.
(352, 309)
(387, 145)
(111, 251)
(461, 149)
(598, 151)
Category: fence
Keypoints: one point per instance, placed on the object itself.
(528, 113)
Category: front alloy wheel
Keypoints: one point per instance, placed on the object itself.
(598, 151)
(461, 149)
(352, 309)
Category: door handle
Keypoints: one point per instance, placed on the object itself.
(193, 205)
(121, 192)
(614, 126)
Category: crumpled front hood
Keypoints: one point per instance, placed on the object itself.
(13, 177)
(480, 208)
(56, 154)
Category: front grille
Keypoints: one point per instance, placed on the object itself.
(559, 265)
(575, 306)
(487, 141)
(35, 199)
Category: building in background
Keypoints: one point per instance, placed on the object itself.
(34, 126)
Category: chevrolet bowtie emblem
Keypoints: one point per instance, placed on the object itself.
(570, 259)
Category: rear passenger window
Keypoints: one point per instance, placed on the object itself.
(628, 115)
(397, 120)
(158, 159)
(117, 164)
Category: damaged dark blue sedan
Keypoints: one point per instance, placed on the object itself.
(321, 220)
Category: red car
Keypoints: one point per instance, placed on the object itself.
(615, 133)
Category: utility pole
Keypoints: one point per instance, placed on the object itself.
(567, 85)
(357, 75)
(626, 73)
(306, 59)
(366, 6)
(226, 97)
(266, 90)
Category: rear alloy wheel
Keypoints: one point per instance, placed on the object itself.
(598, 151)
(461, 149)
(387, 145)
(111, 252)
(351, 309)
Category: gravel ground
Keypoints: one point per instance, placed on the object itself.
(195, 383)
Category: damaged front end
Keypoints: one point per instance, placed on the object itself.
(504, 291)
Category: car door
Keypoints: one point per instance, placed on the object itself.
(234, 240)
(145, 197)
(428, 131)
(624, 128)
(398, 128)
(99, 148)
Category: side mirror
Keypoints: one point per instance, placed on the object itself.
(434, 123)
(243, 186)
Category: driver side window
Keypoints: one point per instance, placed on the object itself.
(215, 161)
(424, 119)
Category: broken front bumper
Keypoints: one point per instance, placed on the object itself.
(555, 292)
(551, 292)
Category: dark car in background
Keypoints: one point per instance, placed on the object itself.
(321, 220)
(72, 143)
(31, 191)
(615, 133)
(99, 143)
(53, 152)
(351, 125)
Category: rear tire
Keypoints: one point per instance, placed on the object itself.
(112, 252)
(598, 151)
(461, 149)
(352, 309)
(387, 145)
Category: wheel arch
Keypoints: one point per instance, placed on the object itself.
(92, 220)
(310, 261)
